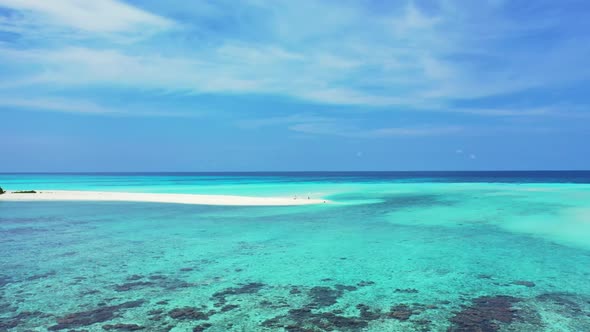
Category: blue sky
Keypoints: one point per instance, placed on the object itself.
(146, 85)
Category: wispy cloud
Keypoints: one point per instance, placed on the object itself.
(79, 106)
(105, 16)
(57, 105)
(314, 124)
(335, 129)
(402, 56)
(229, 69)
(281, 120)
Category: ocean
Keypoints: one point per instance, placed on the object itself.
(392, 251)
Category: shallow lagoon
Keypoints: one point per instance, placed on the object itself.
(393, 256)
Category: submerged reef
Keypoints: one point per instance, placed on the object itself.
(190, 313)
(406, 290)
(202, 327)
(89, 317)
(322, 310)
(250, 288)
(401, 312)
(323, 296)
(305, 319)
(156, 280)
(314, 316)
(4, 280)
(122, 327)
(524, 283)
(9, 323)
(326, 306)
(485, 314)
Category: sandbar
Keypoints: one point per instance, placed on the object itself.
(98, 196)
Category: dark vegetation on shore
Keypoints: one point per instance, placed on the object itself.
(2, 191)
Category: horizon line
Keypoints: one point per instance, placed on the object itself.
(331, 171)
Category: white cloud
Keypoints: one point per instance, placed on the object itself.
(324, 52)
(222, 71)
(326, 70)
(80, 106)
(60, 105)
(99, 16)
(412, 20)
(282, 120)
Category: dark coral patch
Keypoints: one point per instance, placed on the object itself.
(41, 276)
(172, 284)
(155, 312)
(304, 319)
(323, 296)
(364, 283)
(122, 327)
(89, 292)
(567, 304)
(484, 314)
(484, 276)
(524, 283)
(249, 288)
(6, 307)
(345, 288)
(157, 277)
(190, 313)
(406, 290)
(265, 303)
(366, 313)
(155, 281)
(134, 277)
(89, 317)
(401, 312)
(202, 327)
(133, 285)
(4, 280)
(229, 307)
(422, 325)
(9, 323)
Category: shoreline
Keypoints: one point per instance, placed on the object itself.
(194, 199)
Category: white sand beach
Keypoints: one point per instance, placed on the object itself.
(70, 195)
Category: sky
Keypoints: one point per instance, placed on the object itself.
(281, 85)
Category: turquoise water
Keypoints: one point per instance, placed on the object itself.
(416, 253)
